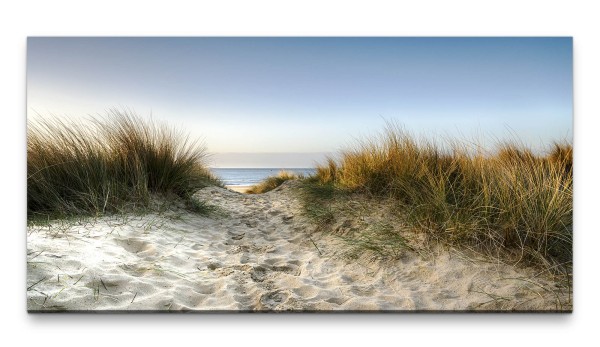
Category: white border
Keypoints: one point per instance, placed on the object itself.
(297, 18)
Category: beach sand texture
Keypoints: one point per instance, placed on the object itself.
(254, 253)
(239, 189)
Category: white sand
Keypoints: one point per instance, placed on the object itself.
(239, 189)
(259, 254)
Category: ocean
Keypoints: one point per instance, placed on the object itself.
(248, 177)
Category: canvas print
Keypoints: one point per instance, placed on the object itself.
(299, 174)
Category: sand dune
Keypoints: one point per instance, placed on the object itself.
(239, 189)
(254, 253)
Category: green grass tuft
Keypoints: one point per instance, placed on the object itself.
(318, 200)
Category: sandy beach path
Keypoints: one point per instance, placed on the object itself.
(255, 252)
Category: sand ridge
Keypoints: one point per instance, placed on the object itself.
(254, 253)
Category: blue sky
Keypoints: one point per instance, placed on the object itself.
(311, 95)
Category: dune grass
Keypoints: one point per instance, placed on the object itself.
(509, 201)
(273, 182)
(108, 164)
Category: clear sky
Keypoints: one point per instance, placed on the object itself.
(311, 95)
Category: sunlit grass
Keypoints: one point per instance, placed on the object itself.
(273, 182)
(107, 164)
(508, 200)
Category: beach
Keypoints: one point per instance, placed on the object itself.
(254, 253)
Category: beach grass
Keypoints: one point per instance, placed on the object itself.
(273, 182)
(508, 201)
(107, 164)
(318, 200)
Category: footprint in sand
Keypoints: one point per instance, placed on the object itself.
(258, 274)
(273, 299)
(136, 246)
(213, 265)
(337, 300)
(362, 290)
(246, 301)
(197, 246)
(289, 269)
(295, 262)
(251, 223)
(204, 288)
(238, 236)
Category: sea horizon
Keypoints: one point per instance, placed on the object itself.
(251, 176)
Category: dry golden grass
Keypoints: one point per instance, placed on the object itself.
(107, 164)
(273, 182)
(507, 200)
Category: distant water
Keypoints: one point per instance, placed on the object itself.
(248, 177)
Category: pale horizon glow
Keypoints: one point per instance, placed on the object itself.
(268, 160)
(311, 96)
